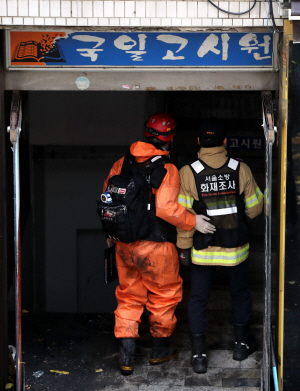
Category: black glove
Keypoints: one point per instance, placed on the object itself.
(185, 256)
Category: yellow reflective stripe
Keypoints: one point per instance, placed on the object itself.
(185, 201)
(217, 257)
(254, 199)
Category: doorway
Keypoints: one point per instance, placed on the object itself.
(70, 142)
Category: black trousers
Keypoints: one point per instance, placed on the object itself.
(201, 281)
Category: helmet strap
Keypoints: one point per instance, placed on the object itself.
(169, 147)
(157, 143)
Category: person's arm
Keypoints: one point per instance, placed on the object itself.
(185, 199)
(166, 201)
(253, 197)
(188, 192)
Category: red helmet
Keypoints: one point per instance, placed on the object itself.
(161, 126)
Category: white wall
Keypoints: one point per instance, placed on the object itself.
(135, 13)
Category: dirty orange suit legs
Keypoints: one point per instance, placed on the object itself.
(148, 276)
(149, 271)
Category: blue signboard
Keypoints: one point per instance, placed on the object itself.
(140, 49)
(245, 143)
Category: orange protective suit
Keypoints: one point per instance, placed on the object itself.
(149, 271)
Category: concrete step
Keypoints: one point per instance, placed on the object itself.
(223, 373)
(221, 359)
(193, 388)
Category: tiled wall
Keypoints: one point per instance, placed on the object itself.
(135, 13)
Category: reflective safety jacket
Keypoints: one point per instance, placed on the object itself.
(167, 207)
(219, 199)
(226, 211)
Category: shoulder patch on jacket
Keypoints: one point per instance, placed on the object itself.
(233, 164)
(197, 166)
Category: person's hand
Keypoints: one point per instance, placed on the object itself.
(110, 242)
(185, 256)
(203, 226)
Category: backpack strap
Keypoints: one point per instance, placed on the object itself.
(153, 162)
(149, 164)
(153, 169)
(127, 163)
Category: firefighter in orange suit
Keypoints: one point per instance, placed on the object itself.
(148, 269)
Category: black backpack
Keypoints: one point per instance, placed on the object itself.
(124, 208)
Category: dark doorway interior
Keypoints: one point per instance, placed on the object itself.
(70, 141)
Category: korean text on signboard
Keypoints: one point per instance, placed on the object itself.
(149, 49)
(245, 143)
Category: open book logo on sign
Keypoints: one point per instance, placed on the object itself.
(46, 49)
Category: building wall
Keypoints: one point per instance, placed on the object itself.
(137, 13)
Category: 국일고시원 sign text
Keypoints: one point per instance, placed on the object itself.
(140, 49)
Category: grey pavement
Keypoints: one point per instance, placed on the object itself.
(82, 344)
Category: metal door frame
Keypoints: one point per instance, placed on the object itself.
(14, 130)
(269, 132)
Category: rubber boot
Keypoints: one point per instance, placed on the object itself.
(161, 351)
(127, 352)
(199, 359)
(245, 344)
